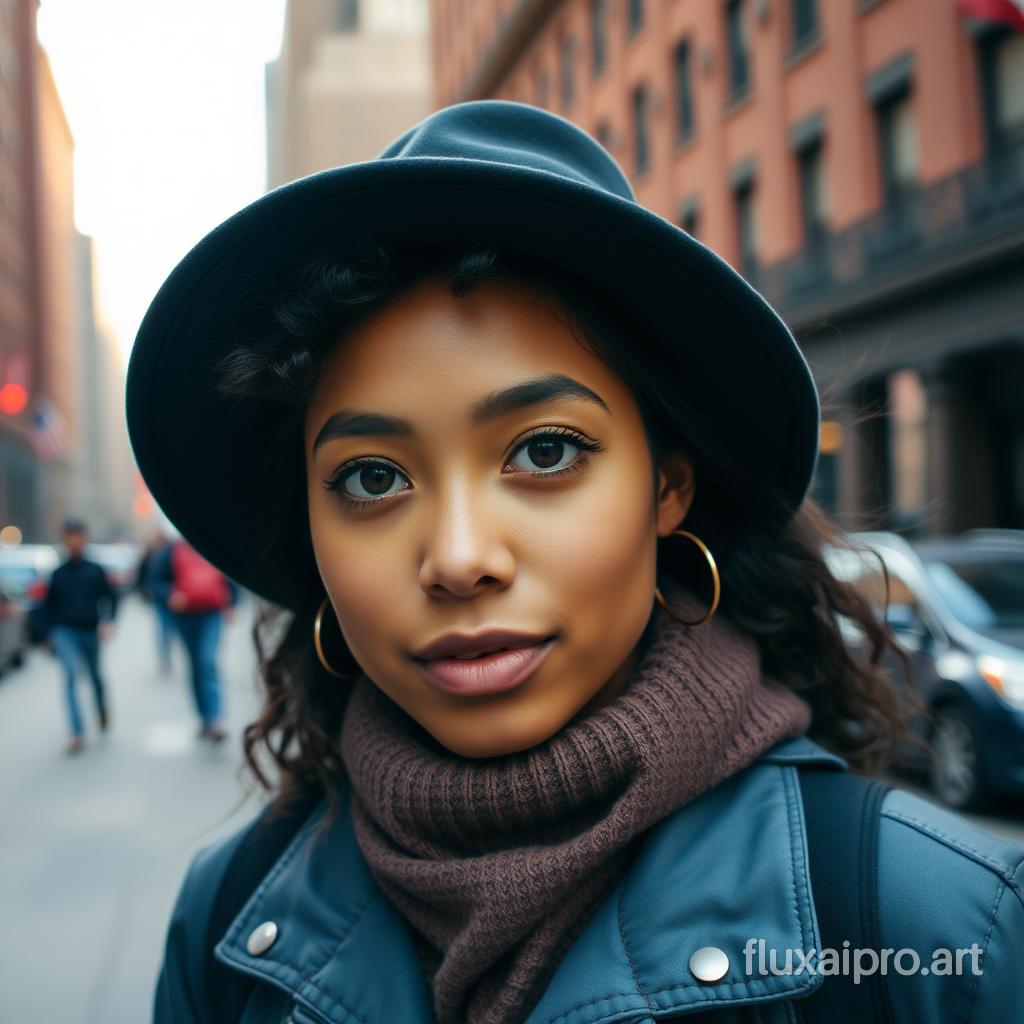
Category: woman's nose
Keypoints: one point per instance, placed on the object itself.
(465, 549)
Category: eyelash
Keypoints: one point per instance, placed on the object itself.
(558, 433)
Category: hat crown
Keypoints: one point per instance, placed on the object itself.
(494, 173)
(510, 133)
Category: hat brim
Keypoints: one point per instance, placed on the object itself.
(192, 444)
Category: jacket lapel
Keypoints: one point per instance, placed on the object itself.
(727, 868)
(342, 950)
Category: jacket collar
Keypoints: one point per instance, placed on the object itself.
(727, 867)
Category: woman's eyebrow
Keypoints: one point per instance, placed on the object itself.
(364, 423)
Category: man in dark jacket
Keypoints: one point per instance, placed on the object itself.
(77, 587)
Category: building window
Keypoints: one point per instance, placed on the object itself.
(542, 87)
(641, 132)
(746, 226)
(636, 16)
(599, 34)
(1010, 84)
(684, 91)
(889, 90)
(1001, 63)
(568, 75)
(689, 216)
(897, 143)
(804, 21)
(813, 197)
(739, 48)
(348, 15)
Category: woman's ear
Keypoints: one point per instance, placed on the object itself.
(676, 483)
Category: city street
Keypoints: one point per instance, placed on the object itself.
(785, 239)
(94, 846)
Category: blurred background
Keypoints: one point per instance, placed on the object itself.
(861, 162)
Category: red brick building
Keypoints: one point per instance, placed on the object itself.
(19, 263)
(861, 162)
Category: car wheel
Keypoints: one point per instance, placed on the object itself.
(957, 777)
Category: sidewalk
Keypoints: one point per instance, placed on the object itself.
(94, 847)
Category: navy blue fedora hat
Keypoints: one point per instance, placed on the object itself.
(494, 171)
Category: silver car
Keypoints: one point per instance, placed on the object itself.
(956, 605)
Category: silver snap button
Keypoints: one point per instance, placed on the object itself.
(262, 938)
(709, 963)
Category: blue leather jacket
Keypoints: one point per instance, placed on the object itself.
(728, 867)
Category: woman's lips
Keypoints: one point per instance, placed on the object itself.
(490, 673)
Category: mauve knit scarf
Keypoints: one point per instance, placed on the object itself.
(498, 863)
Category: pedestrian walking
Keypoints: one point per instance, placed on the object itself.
(564, 723)
(79, 610)
(145, 584)
(199, 597)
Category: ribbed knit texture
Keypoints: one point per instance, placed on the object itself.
(498, 863)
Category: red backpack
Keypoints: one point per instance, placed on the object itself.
(203, 584)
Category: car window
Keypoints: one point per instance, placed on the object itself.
(863, 569)
(982, 594)
(15, 579)
(872, 585)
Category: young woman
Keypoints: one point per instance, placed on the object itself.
(551, 652)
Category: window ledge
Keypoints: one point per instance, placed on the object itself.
(684, 143)
(803, 49)
(737, 102)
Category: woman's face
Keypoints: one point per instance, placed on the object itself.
(486, 472)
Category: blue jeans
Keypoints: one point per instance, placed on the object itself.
(164, 632)
(201, 634)
(70, 644)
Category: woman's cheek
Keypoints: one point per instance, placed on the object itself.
(608, 574)
(360, 582)
(356, 576)
(606, 537)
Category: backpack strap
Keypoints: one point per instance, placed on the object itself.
(841, 812)
(225, 991)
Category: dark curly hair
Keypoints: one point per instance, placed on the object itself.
(776, 584)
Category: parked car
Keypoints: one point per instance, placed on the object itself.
(14, 640)
(24, 576)
(956, 605)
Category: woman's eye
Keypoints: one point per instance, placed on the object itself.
(549, 453)
(368, 481)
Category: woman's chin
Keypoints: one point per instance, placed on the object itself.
(491, 729)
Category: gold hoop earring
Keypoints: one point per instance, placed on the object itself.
(317, 623)
(714, 574)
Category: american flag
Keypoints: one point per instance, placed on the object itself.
(1010, 12)
(48, 437)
